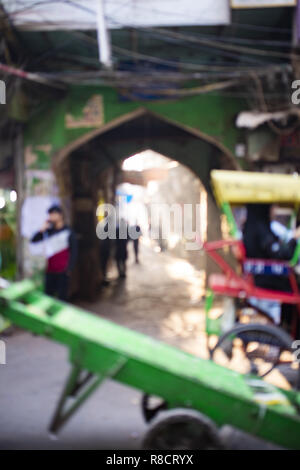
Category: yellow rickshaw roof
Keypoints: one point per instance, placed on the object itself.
(240, 187)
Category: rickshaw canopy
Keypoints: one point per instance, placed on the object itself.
(242, 187)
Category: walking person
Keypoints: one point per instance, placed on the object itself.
(135, 235)
(121, 247)
(60, 248)
(105, 248)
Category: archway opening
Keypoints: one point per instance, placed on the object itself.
(91, 170)
(163, 290)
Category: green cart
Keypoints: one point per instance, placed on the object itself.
(196, 396)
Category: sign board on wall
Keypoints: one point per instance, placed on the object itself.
(92, 115)
(262, 3)
(82, 14)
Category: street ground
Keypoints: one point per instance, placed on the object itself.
(162, 297)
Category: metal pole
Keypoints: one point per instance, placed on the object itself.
(296, 21)
(19, 171)
(104, 45)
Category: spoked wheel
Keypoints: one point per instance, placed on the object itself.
(257, 349)
(182, 429)
(242, 312)
(248, 313)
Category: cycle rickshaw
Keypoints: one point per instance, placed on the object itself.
(248, 340)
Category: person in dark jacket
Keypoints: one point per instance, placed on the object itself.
(60, 248)
(261, 243)
(104, 247)
(121, 247)
(135, 235)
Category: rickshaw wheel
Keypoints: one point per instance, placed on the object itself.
(262, 346)
(248, 313)
(182, 429)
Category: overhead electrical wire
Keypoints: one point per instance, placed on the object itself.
(197, 68)
(168, 33)
(249, 27)
(147, 57)
(171, 34)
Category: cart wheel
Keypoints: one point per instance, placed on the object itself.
(182, 429)
(254, 348)
(150, 409)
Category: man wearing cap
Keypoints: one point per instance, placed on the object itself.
(60, 248)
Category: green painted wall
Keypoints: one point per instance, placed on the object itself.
(212, 114)
(46, 133)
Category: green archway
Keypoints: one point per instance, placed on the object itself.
(87, 158)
